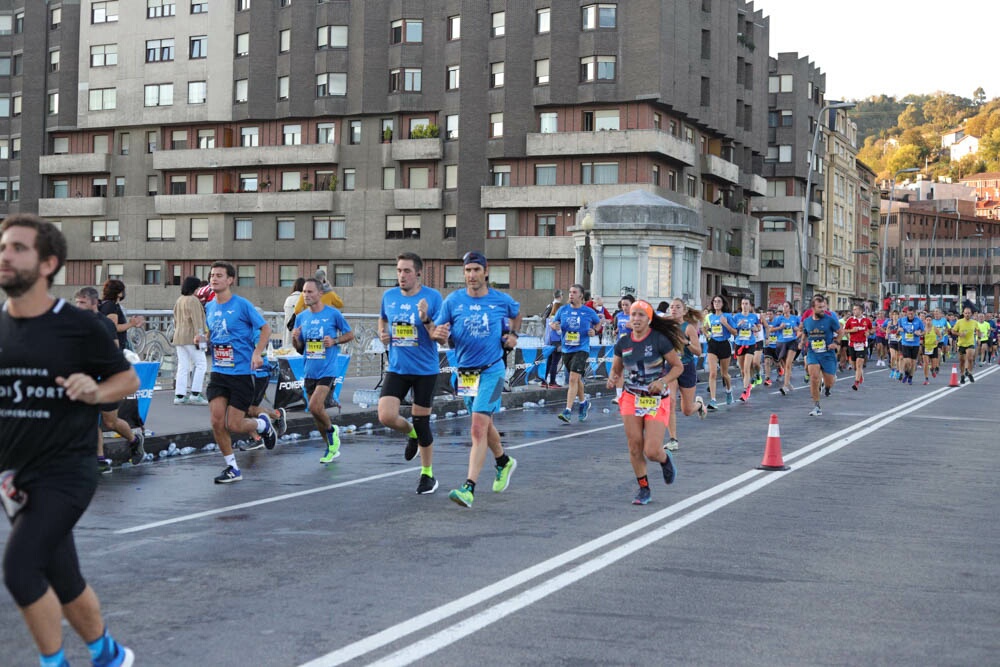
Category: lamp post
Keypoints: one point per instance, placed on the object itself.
(885, 235)
(587, 224)
(804, 235)
(937, 212)
(803, 257)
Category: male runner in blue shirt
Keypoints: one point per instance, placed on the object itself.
(576, 323)
(822, 329)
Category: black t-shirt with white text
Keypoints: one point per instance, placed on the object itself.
(39, 425)
(114, 308)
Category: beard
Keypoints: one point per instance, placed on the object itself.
(20, 282)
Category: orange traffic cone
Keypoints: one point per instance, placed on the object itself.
(954, 376)
(772, 448)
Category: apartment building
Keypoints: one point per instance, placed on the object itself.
(839, 227)
(867, 241)
(286, 136)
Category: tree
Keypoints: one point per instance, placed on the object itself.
(914, 137)
(989, 146)
(911, 117)
(904, 158)
(979, 96)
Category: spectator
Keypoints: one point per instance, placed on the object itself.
(557, 301)
(110, 307)
(289, 307)
(189, 320)
(329, 298)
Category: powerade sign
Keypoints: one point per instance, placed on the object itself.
(291, 380)
(147, 372)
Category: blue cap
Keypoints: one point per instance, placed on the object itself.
(474, 258)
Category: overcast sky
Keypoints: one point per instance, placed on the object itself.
(896, 47)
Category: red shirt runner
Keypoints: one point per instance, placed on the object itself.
(858, 336)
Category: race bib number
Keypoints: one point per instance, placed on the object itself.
(404, 334)
(787, 332)
(468, 384)
(818, 345)
(572, 338)
(646, 405)
(772, 339)
(222, 356)
(315, 349)
(745, 334)
(909, 337)
(716, 329)
(859, 347)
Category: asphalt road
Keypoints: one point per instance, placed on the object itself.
(880, 546)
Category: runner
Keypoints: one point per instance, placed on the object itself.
(552, 339)
(822, 329)
(405, 324)
(893, 336)
(858, 326)
(770, 346)
(940, 323)
(787, 326)
(278, 416)
(966, 332)
(930, 349)
(984, 339)
(881, 343)
(684, 386)
(49, 359)
(647, 359)
(747, 323)
(911, 329)
(621, 319)
(233, 323)
(719, 329)
(473, 318)
(576, 323)
(319, 331)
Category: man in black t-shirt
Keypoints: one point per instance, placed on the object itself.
(50, 355)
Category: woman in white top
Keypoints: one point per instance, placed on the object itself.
(289, 308)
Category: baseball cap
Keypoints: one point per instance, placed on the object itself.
(474, 257)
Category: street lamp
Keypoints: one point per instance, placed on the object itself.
(803, 258)
(809, 172)
(937, 212)
(885, 235)
(587, 225)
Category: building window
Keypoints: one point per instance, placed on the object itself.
(329, 227)
(199, 7)
(548, 122)
(249, 182)
(54, 61)
(243, 228)
(242, 5)
(285, 228)
(199, 229)
(496, 125)
(287, 275)
(104, 55)
(240, 92)
(99, 187)
(178, 139)
(284, 41)
(451, 127)
(388, 178)
(242, 44)
(542, 72)
(331, 37)
(102, 99)
(343, 275)
(598, 68)
(784, 153)
(291, 135)
(543, 277)
(599, 16)
(152, 186)
(350, 179)
(496, 75)
(692, 186)
(178, 185)
(60, 146)
(197, 92)
(159, 50)
(355, 132)
(246, 276)
(405, 80)
(104, 12)
(543, 20)
(159, 94)
(545, 225)
(545, 174)
(656, 174)
(706, 91)
(496, 225)
(453, 72)
(454, 276)
(386, 275)
(55, 18)
(291, 180)
(450, 226)
(450, 176)
(283, 82)
(326, 133)
(410, 31)
(198, 47)
(498, 24)
(706, 44)
(60, 189)
(160, 230)
(600, 173)
(249, 136)
(103, 230)
(151, 274)
(454, 28)
(501, 175)
(159, 8)
(331, 84)
(772, 259)
(402, 227)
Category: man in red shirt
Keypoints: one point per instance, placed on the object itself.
(857, 327)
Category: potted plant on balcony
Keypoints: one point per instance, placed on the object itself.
(333, 182)
(264, 185)
(306, 185)
(387, 135)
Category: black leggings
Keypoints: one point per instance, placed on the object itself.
(40, 551)
(552, 366)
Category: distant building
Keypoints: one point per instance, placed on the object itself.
(952, 136)
(967, 145)
(987, 189)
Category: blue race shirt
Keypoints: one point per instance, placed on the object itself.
(744, 327)
(786, 334)
(716, 328)
(477, 326)
(574, 325)
(821, 333)
(621, 319)
(911, 331)
(233, 329)
(320, 361)
(265, 368)
(411, 350)
(770, 337)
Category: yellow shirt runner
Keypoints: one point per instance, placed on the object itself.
(966, 330)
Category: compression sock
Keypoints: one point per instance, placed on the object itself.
(502, 460)
(472, 486)
(427, 470)
(57, 659)
(102, 649)
(412, 433)
(643, 481)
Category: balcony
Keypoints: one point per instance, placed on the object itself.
(779, 205)
(69, 207)
(551, 196)
(815, 211)
(716, 167)
(541, 247)
(417, 149)
(424, 199)
(251, 156)
(754, 184)
(79, 163)
(248, 202)
(610, 142)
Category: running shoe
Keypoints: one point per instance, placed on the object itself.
(584, 410)
(785, 390)
(669, 471)
(197, 399)
(758, 380)
(854, 386)
(702, 410)
(503, 475)
(826, 391)
(713, 405)
(745, 396)
(909, 379)
(926, 382)
(934, 372)
(103, 465)
(642, 498)
(229, 475)
(672, 445)
(120, 657)
(781, 371)
(816, 412)
(136, 448)
(462, 496)
(412, 447)
(729, 397)
(767, 382)
(268, 436)
(180, 400)
(427, 485)
(963, 380)
(614, 401)
(281, 423)
(565, 415)
(332, 445)
(971, 379)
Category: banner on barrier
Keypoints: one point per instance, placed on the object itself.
(290, 391)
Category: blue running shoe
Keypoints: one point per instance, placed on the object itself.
(565, 415)
(669, 471)
(713, 405)
(584, 410)
(229, 475)
(642, 498)
(729, 397)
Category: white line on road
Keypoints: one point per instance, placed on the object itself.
(329, 487)
(484, 618)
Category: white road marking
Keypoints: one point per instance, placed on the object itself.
(465, 627)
